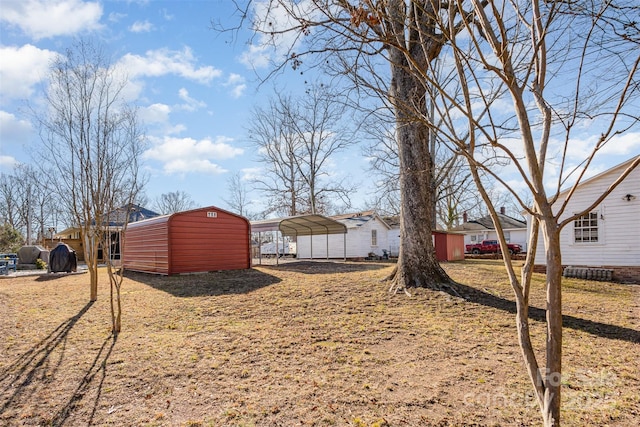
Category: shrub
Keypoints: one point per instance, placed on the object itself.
(40, 264)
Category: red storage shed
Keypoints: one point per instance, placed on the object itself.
(449, 246)
(199, 240)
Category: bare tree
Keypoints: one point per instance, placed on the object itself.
(280, 184)
(238, 200)
(455, 190)
(142, 199)
(92, 141)
(174, 201)
(546, 61)
(35, 202)
(28, 202)
(10, 205)
(378, 46)
(454, 187)
(296, 139)
(527, 73)
(382, 152)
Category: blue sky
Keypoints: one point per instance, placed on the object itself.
(194, 88)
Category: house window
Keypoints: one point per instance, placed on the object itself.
(473, 238)
(507, 236)
(374, 237)
(585, 228)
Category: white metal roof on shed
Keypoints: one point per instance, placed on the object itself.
(301, 225)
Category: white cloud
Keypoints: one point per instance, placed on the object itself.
(158, 116)
(49, 18)
(237, 84)
(166, 15)
(235, 79)
(156, 63)
(7, 162)
(256, 56)
(190, 103)
(21, 68)
(250, 174)
(155, 113)
(185, 155)
(176, 129)
(116, 17)
(238, 91)
(133, 88)
(141, 27)
(12, 129)
(274, 19)
(625, 144)
(181, 166)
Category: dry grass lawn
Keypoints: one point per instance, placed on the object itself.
(306, 343)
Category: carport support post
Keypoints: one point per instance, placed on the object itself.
(311, 243)
(344, 243)
(327, 245)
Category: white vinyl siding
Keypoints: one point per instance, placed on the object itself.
(618, 233)
(358, 242)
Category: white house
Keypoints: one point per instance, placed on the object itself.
(477, 230)
(608, 237)
(393, 235)
(366, 233)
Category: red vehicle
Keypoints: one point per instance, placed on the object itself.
(491, 247)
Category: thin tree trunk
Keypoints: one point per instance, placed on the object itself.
(553, 380)
(118, 322)
(112, 302)
(115, 280)
(90, 257)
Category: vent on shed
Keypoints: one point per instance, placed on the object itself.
(601, 274)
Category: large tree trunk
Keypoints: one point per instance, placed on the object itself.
(417, 264)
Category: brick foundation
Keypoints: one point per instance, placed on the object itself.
(622, 274)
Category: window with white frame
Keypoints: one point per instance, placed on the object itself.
(507, 236)
(473, 238)
(374, 237)
(585, 228)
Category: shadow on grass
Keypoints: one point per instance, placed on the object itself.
(207, 284)
(327, 267)
(45, 277)
(97, 369)
(600, 329)
(19, 380)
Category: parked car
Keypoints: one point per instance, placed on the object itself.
(491, 247)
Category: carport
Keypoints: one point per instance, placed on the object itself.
(301, 225)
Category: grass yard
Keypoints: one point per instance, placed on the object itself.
(307, 344)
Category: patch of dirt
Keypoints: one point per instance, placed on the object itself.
(307, 343)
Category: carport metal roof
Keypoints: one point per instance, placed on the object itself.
(301, 225)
